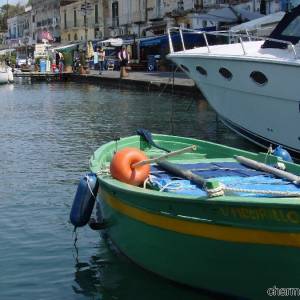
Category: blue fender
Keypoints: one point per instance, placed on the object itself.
(284, 154)
(84, 200)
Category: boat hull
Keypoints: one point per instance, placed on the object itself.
(3, 77)
(268, 112)
(232, 260)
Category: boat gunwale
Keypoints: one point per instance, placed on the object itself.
(167, 196)
(248, 58)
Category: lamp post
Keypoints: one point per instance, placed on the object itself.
(86, 9)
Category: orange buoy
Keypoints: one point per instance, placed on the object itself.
(121, 166)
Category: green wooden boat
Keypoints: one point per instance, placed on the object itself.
(243, 243)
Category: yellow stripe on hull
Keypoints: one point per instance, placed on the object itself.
(203, 230)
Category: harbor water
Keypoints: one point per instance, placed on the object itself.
(48, 132)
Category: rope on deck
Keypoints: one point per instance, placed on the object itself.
(220, 191)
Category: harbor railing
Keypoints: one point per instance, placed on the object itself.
(233, 37)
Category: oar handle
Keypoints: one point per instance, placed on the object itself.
(177, 171)
(165, 156)
(268, 169)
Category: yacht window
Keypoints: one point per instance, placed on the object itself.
(201, 70)
(185, 68)
(225, 73)
(259, 77)
(293, 29)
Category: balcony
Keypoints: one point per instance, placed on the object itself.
(139, 17)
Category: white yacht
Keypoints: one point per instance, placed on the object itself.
(253, 84)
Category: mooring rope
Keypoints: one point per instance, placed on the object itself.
(88, 183)
(221, 189)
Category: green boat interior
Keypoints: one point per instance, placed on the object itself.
(211, 162)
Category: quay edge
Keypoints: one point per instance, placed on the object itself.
(136, 80)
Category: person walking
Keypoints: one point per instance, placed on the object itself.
(61, 62)
(123, 56)
(101, 54)
(96, 59)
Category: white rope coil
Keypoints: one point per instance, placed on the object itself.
(266, 192)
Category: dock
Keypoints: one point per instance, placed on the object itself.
(38, 76)
(168, 82)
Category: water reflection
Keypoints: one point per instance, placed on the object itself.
(112, 276)
(48, 132)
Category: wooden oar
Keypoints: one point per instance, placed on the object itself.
(175, 170)
(268, 169)
(164, 157)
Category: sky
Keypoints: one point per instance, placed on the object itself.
(2, 2)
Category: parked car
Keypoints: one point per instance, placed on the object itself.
(21, 60)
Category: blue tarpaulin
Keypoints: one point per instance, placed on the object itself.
(231, 174)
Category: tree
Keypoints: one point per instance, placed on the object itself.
(8, 11)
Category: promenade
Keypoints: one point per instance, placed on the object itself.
(176, 82)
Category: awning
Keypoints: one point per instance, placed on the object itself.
(152, 41)
(6, 51)
(191, 39)
(115, 42)
(66, 48)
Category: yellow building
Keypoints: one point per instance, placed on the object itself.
(81, 20)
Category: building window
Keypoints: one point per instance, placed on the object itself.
(33, 19)
(33, 36)
(65, 19)
(75, 37)
(69, 37)
(75, 18)
(96, 14)
(115, 14)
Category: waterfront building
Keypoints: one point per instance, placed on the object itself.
(125, 18)
(45, 20)
(3, 36)
(139, 18)
(20, 29)
(81, 20)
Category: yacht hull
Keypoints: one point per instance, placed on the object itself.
(266, 113)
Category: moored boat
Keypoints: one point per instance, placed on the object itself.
(3, 77)
(250, 82)
(221, 226)
(6, 75)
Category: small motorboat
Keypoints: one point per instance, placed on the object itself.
(6, 75)
(198, 213)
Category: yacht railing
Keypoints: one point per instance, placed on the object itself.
(230, 34)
